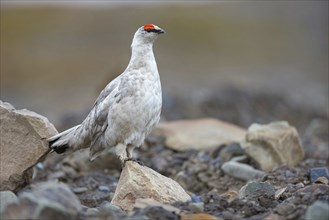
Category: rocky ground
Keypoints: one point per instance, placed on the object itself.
(298, 191)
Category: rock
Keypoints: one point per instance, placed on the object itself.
(46, 201)
(154, 212)
(273, 145)
(318, 210)
(317, 172)
(279, 192)
(140, 182)
(80, 190)
(105, 211)
(6, 197)
(319, 188)
(143, 203)
(199, 216)
(109, 207)
(242, 171)
(196, 198)
(230, 196)
(23, 144)
(322, 180)
(198, 134)
(196, 207)
(104, 188)
(254, 190)
(231, 150)
(285, 208)
(274, 217)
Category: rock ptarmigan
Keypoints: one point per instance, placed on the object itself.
(126, 110)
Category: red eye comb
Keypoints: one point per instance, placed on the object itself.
(148, 26)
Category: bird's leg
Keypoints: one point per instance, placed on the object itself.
(129, 150)
(121, 152)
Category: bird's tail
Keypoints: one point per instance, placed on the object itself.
(63, 141)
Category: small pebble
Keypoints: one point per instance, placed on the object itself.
(103, 188)
(92, 212)
(40, 166)
(322, 180)
(196, 207)
(316, 172)
(80, 190)
(196, 198)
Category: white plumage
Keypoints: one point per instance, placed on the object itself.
(126, 110)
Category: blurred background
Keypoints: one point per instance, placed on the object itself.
(240, 61)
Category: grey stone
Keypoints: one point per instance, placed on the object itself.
(23, 144)
(196, 207)
(7, 197)
(285, 208)
(80, 189)
(113, 208)
(242, 171)
(273, 145)
(254, 190)
(104, 188)
(318, 210)
(317, 172)
(231, 150)
(45, 201)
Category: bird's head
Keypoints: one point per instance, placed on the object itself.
(147, 34)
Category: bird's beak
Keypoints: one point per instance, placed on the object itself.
(161, 31)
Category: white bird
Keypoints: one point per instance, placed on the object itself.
(126, 110)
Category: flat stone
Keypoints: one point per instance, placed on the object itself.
(141, 182)
(198, 134)
(317, 172)
(242, 171)
(273, 145)
(254, 190)
(321, 188)
(318, 210)
(143, 203)
(23, 144)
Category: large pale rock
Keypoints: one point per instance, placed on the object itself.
(23, 143)
(273, 145)
(199, 134)
(141, 182)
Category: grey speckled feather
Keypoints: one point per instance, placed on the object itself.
(126, 110)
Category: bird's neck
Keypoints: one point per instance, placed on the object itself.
(141, 55)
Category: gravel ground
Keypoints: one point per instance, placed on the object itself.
(199, 172)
